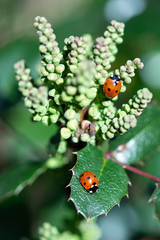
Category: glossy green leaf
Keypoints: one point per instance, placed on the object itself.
(112, 183)
(141, 140)
(14, 180)
(155, 198)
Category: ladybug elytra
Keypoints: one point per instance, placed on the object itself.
(112, 86)
(89, 181)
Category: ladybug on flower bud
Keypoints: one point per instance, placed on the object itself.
(112, 86)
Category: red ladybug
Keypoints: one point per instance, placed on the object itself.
(89, 181)
(112, 86)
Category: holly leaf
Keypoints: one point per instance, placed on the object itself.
(112, 183)
(15, 179)
(155, 198)
(138, 142)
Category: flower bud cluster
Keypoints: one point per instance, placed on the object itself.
(139, 102)
(84, 132)
(126, 116)
(76, 50)
(87, 230)
(80, 89)
(72, 82)
(120, 124)
(51, 69)
(127, 72)
(105, 50)
(35, 98)
(49, 232)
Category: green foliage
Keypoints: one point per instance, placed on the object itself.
(112, 183)
(15, 179)
(155, 198)
(140, 141)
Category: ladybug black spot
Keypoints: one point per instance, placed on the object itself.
(105, 83)
(116, 91)
(84, 183)
(88, 177)
(82, 175)
(95, 176)
(109, 89)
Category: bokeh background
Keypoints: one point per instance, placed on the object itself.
(21, 140)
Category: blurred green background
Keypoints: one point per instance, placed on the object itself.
(21, 140)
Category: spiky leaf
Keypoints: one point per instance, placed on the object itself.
(156, 200)
(112, 183)
(14, 180)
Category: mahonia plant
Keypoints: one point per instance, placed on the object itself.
(71, 88)
(87, 231)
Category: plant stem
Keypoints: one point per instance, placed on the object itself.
(135, 170)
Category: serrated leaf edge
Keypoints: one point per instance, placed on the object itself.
(26, 183)
(151, 200)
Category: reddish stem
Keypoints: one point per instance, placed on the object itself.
(135, 170)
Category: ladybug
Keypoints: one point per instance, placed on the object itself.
(89, 181)
(112, 86)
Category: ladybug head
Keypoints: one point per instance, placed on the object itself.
(115, 77)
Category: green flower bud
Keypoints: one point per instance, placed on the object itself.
(65, 97)
(37, 118)
(98, 76)
(50, 67)
(119, 40)
(85, 137)
(45, 120)
(57, 99)
(104, 129)
(41, 109)
(65, 133)
(106, 103)
(52, 110)
(60, 68)
(107, 67)
(130, 69)
(54, 118)
(112, 129)
(73, 61)
(52, 76)
(101, 81)
(73, 68)
(70, 114)
(93, 111)
(28, 103)
(110, 135)
(123, 89)
(52, 92)
(43, 39)
(71, 90)
(80, 97)
(115, 98)
(48, 57)
(42, 48)
(62, 147)
(72, 124)
(59, 81)
(91, 93)
(75, 139)
(85, 102)
(82, 89)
